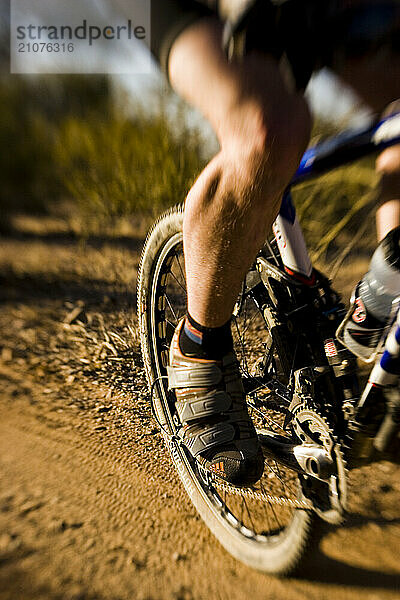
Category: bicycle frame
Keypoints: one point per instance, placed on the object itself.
(324, 157)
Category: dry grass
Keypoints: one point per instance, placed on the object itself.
(67, 308)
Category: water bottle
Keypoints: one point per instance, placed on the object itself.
(373, 300)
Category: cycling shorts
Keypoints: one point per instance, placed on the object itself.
(168, 19)
(310, 33)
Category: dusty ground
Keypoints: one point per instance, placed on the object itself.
(89, 505)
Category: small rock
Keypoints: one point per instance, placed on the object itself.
(100, 428)
(177, 556)
(6, 354)
(136, 562)
(8, 543)
(55, 526)
(383, 467)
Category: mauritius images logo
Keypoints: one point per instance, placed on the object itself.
(79, 36)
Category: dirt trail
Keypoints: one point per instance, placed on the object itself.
(89, 505)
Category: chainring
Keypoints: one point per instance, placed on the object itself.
(329, 498)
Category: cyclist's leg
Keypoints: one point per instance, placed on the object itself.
(388, 166)
(377, 81)
(263, 129)
(388, 212)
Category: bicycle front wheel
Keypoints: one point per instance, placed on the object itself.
(266, 526)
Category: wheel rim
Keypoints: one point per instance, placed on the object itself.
(263, 522)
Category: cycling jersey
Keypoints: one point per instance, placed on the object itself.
(308, 33)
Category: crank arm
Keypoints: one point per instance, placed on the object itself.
(308, 459)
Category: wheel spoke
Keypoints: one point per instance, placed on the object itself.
(253, 318)
(261, 509)
(178, 260)
(294, 359)
(269, 419)
(178, 282)
(279, 478)
(246, 371)
(274, 513)
(265, 508)
(248, 512)
(171, 308)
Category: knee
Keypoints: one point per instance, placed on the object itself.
(264, 146)
(388, 167)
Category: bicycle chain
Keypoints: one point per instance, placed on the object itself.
(248, 492)
(261, 496)
(244, 492)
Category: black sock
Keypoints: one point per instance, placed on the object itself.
(210, 343)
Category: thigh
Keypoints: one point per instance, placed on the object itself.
(239, 99)
(371, 52)
(168, 19)
(375, 78)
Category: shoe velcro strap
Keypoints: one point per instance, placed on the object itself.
(203, 375)
(215, 435)
(246, 427)
(208, 405)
